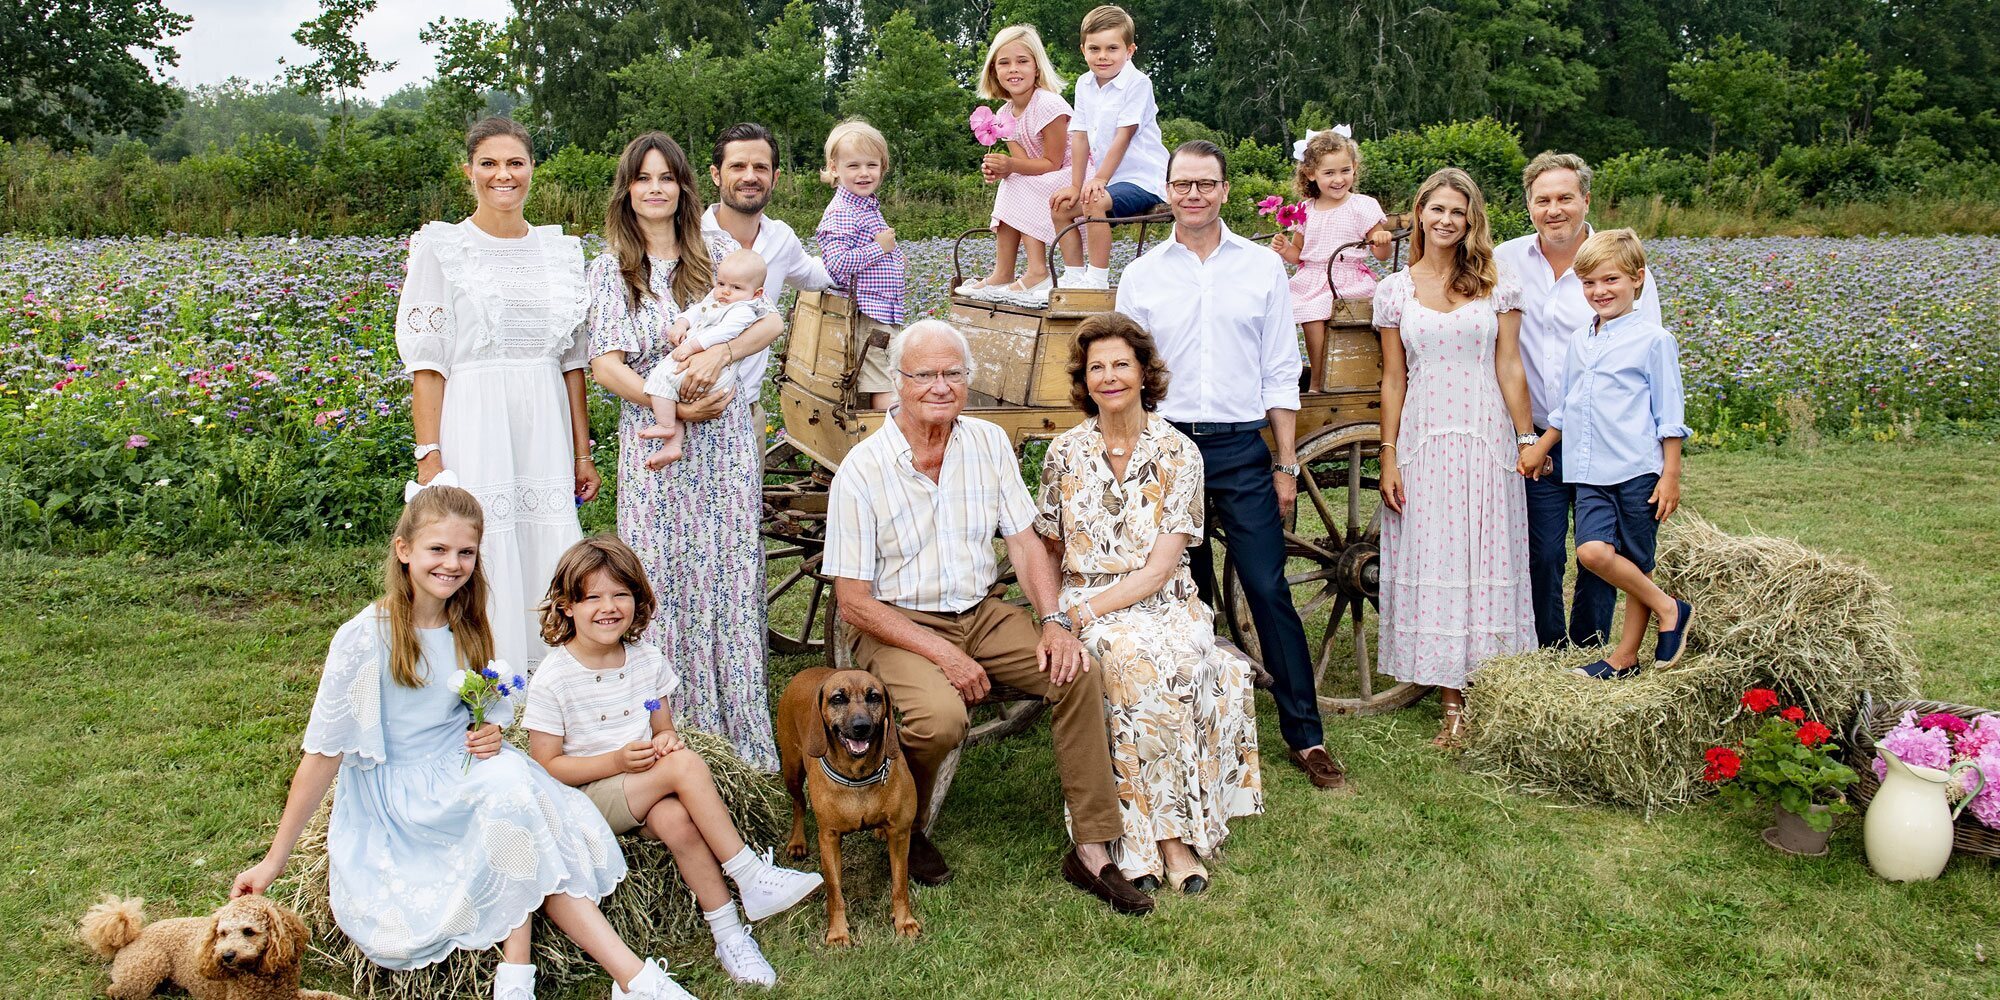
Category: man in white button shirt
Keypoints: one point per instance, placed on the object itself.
(1220, 308)
(1557, 186)
(910, 522)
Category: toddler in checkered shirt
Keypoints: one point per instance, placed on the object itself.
(860, 249)
(736, 302)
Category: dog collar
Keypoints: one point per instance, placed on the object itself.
(881, 774)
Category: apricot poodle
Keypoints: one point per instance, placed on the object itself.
(247, 950)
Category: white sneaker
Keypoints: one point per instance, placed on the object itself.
(744, 961)
(773, 890)
(514, 982)
(1099, 281)
(652, 983)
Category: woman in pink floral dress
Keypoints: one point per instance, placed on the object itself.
(1454, 416)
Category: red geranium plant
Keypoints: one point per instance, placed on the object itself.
(1788, 762)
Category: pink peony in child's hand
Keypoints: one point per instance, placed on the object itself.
(1270, 205)
(989, 126)
(1291, 215)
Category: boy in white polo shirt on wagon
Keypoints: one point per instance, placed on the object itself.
(1118, 162)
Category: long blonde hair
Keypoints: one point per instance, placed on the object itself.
(1473, 273)
(464, 611)
(1046, 76)
(695, 272)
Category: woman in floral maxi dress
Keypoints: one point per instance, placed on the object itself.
(1121, 500)
(695, 524)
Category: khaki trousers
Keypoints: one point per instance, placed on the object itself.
(1003, 639)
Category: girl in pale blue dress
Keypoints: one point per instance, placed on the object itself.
(443, 837)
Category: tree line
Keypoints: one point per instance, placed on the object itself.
(1765, 104)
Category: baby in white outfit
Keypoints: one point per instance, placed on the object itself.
(736, 302)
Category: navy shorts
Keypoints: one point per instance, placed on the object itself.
(1129, 199)
(1620, 517)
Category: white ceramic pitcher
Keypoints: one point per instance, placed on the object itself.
(1908, 829)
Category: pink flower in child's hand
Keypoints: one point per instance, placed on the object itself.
(1269, 206)
(1291, 215)
(989, 126)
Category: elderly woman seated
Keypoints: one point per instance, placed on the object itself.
(1121, 502)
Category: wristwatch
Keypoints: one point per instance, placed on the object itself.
(1524, 440)
(424, 451)
(1060, 618)
(1291, 470)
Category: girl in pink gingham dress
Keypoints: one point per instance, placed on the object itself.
(1329, 167)
(1034, 168)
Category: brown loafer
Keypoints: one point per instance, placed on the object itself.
(927, 866)
(1320, 766)
(1107, 884)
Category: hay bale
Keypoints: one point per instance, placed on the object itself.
(1769, 613)
(653, 910)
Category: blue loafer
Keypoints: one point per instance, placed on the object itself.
(1667, 651)
(1602, 670)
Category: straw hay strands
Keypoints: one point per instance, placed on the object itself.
(651, 909)
(1769, 613)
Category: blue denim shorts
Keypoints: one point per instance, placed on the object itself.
(1129, 199)
(1620, 517)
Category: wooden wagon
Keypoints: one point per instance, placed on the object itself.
(1021, 383)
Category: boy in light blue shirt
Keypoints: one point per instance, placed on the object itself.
(1621, 422)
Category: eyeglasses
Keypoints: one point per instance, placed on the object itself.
(1205, 185)
(955, 376)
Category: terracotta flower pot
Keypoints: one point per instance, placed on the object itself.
(1792, 835)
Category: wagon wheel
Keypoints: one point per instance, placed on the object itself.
(797, 595)
(1332, 565)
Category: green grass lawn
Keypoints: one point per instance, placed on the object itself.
(152, 711)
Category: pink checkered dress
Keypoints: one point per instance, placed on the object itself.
(1023, 199)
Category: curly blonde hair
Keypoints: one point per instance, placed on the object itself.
(573, 572)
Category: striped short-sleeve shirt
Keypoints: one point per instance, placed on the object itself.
(923, 545)
(598, 711)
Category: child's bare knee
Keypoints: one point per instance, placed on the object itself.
(1596, 556)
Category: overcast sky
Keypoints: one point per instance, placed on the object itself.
(245, 37)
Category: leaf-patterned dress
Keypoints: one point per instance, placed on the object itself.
(1181, 709)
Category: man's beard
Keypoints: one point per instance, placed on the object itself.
(739, 202)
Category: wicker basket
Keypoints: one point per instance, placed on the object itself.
(1872, 722)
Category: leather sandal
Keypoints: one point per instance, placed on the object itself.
(1453, 730)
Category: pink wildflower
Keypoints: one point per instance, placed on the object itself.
(137, 441)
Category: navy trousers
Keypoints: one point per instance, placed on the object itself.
(1550, 501)
(1244, 505)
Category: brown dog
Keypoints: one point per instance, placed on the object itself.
(247, 950)
(837, 743)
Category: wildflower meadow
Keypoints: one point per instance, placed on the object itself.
(185, 391)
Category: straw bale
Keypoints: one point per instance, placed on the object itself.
(1769, 612)
(653, 910)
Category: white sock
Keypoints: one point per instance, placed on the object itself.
(514, 974)
(743, 865)
(723, 922)
(1071, 273)
(1098, 272)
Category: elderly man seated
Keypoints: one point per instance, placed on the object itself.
(909, 542)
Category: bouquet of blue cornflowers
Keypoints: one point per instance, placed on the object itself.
(486, 690)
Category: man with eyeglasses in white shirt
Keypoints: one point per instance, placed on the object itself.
(1220, 308)
(1553, 309)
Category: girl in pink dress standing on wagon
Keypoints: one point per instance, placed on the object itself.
(1034, 168)
(1336, 215)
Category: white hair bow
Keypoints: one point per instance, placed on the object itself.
(411, 488)
(1299, 147)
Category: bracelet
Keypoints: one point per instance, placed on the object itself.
(1388, 446)
(586, 458)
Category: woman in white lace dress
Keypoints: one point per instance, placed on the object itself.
(488, 327)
